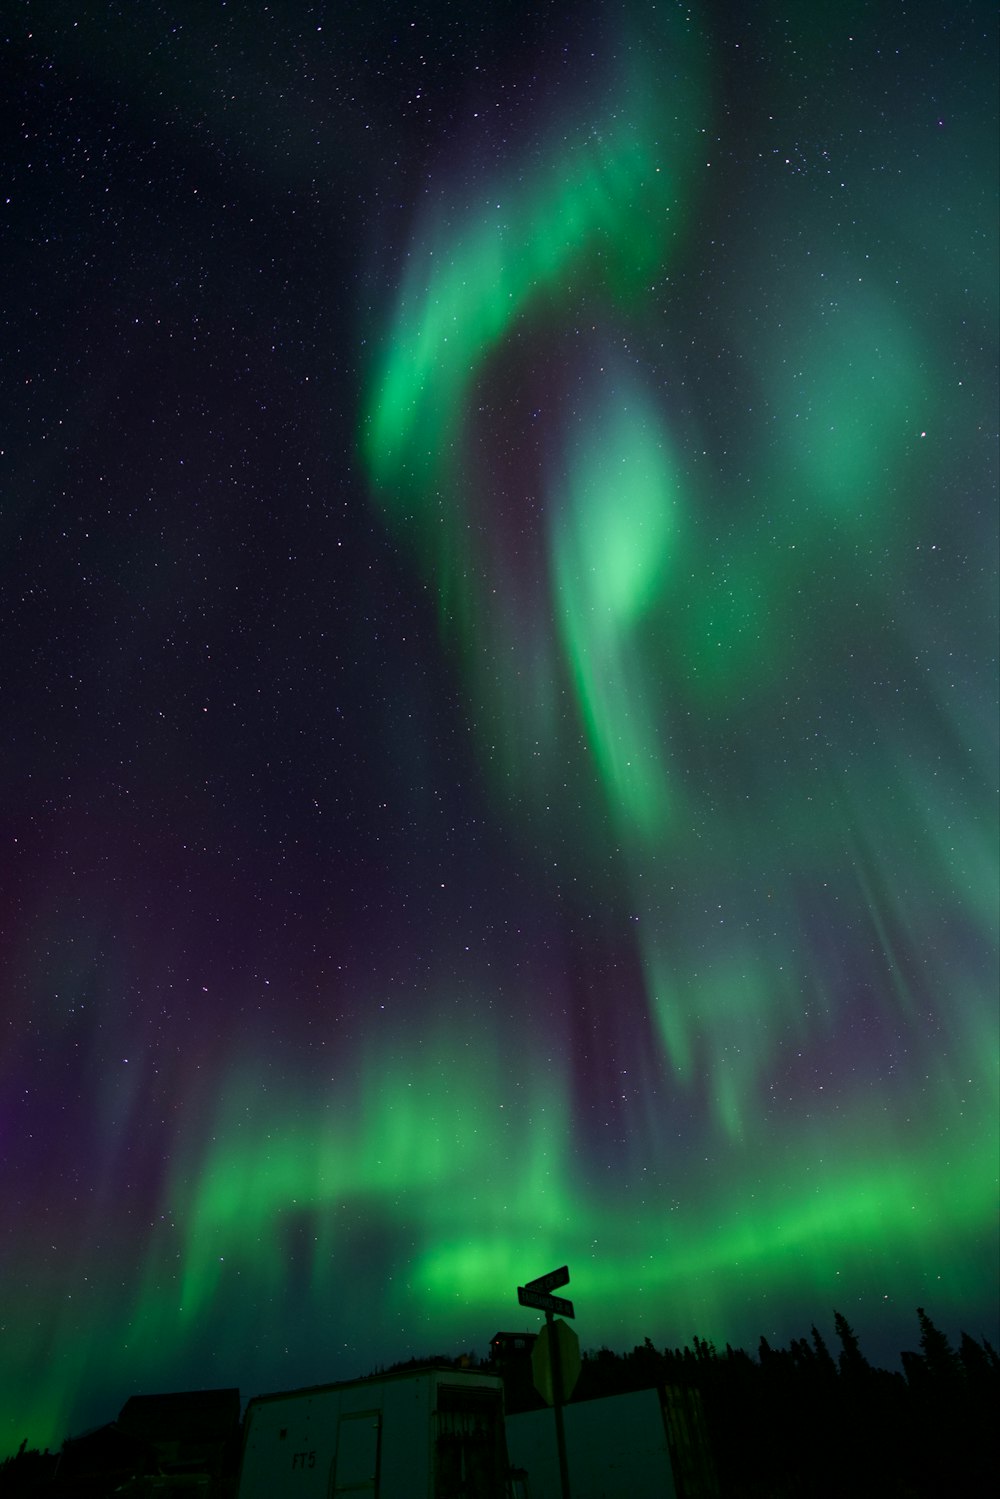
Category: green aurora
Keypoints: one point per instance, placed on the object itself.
(701, 500)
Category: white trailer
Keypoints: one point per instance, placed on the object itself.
(430, 1433)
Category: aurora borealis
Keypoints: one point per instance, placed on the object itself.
(499, 617)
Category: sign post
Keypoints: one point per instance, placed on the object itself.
(557, 1405)
(536, 1294)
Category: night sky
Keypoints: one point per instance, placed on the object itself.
(499, 660)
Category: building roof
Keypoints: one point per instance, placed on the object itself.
(185, 1416)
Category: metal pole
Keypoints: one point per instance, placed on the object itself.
(557, 1404)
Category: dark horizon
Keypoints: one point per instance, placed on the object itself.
(906, 1362)
(807, 1420)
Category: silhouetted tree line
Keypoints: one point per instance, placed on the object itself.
(792, 1423)
(800, 1423)
(27, 1471)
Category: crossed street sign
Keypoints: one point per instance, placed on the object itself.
(556, 1356)
(549, 1282)
(555, 1304)
(535, 1293)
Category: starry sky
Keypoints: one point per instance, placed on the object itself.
(498, 632)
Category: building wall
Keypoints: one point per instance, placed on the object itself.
(616, 1449)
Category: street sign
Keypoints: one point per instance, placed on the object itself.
(556, 1355)
(550, 1282)
(556, 1304)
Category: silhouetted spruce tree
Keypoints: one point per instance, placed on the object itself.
(954, 1416)
(645, 1366)
(853, 1364)
(803, 1357)
(914, 1368)
(974, 1358)
(939, 1357)
(824, 1358)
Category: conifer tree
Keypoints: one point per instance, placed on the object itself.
(853, 1363)
(803, 1356)
(938, 1353)
(975, 1360)
(914, 1368)
(824, 1358)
